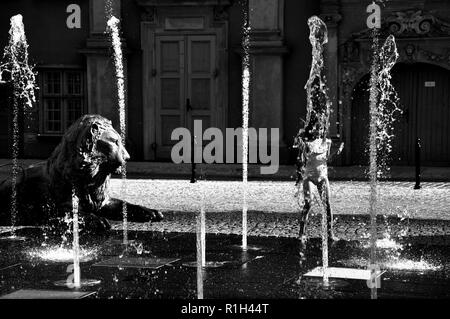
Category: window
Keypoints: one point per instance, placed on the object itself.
(62, 99)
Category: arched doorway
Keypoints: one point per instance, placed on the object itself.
(424, 92)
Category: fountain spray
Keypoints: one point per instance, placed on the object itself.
(318, 107)
(76, 242)
(318, 103)
(201, 235)
(113, 30)
(245, 112)
(201, 226)
(201, 249)
(18, 71)
(382, 109)
(373, 114)
(382, 106)
(199, 275)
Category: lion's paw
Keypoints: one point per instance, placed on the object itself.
(144, 215)
(93, 223)
(157, 216)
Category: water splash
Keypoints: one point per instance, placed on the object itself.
(318, 103)
(385, 110)
(325, 248)
(383, 104)
(76, 241)
(318, 108)
(387, 247)
(373, 169)
(113, 29)
(15, 162)
(15, 66)
(139, 247)
(411, 265)
(245, 114)
(16, 69)
(388, 243)
(59, 253)
(397, 263)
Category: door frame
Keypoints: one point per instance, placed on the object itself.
(156, 26)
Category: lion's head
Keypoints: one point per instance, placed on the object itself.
(90, 149)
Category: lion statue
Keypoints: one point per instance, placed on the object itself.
(89, 152)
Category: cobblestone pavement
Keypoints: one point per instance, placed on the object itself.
(347, 198)
(286, 225)
(273, 207)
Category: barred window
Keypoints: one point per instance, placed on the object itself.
(62, 99)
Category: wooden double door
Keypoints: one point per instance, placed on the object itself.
(185, 86)
(424, 93)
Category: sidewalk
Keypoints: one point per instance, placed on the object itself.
(234, 171)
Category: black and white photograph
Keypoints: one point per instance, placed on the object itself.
(224, 154)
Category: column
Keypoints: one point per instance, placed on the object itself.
(330, 15)
(266, 57)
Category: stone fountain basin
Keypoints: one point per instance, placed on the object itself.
(420, 270)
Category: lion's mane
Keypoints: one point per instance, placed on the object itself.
(76, 165)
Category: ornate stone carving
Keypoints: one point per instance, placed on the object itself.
(416, 23)
(410, 23)
(408, 54)
(148, 12)
(430, 56)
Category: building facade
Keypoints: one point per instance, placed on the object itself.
(183, 62)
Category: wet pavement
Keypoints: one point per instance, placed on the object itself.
(420, 269)
(416, 263)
